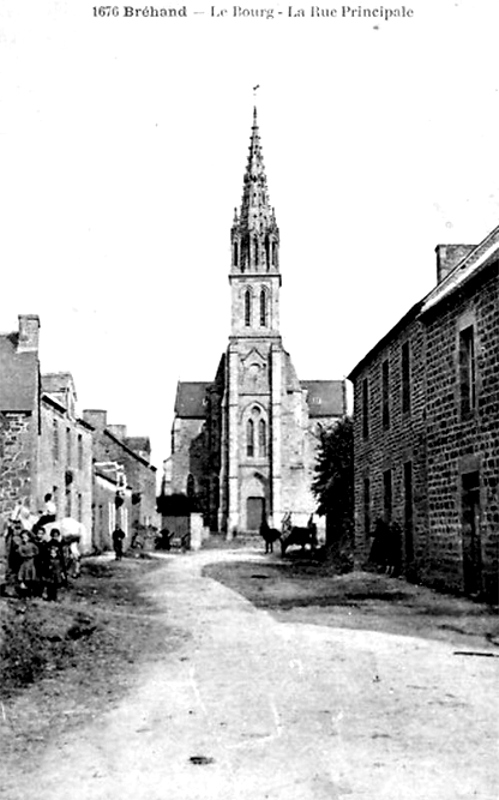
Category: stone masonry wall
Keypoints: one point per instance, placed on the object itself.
(16, 461)
(64, 468)
(460, 444)
(390, 448)
(297, 458)
(185, 432)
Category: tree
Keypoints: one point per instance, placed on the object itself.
(333, 487)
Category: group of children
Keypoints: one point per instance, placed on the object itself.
(36, 561)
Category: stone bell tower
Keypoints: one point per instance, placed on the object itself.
(254, 275)
(251, 460)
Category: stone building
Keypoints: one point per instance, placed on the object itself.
(112, 505)
(244, 445)
(19, 415)
(44, 447)
(116, 462)
(64, 454)
(426, 416)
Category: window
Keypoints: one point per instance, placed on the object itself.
(68, 446)
(467, 370)
(406, 378)
(262, 438)
(365, 408)
(247, 308)
(80, 507)
(263, 308)
(386, 394)
(387, 495)
(250, 438)
(236, 254)
(80, 451)
(267, 252)
(111, 518)
(274, 254)
(367, 507)
(255, 246)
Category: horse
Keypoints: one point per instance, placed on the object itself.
(292, 534)
(269, 535)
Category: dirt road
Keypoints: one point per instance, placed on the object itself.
(253, 708)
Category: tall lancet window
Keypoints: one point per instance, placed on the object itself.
(255, 245)
(262, 438)
(274, 254)
(263, 308)
(267, 252)
(250, 438)
(247, 307)
(236, 254)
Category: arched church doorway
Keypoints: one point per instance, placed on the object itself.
(255, 512)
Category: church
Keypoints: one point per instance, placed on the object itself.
(244, 446)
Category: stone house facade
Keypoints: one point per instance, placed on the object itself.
(389, 441)
(19, 415)
(244, 445)
(426, 427)
(113, 453)
(112, 506)
(44, 447)
(64, 454)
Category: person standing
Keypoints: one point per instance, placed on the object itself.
(53, 565)
(118, 537)
(12, 538)
(27, 551)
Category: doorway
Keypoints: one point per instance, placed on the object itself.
(470, 523)
(255, 512)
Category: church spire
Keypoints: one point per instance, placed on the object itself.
(255, 235)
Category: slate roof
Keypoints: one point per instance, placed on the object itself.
(190, 400)
(483, 256)
(475, 260)
(139, 443)
(18, 376)
(325, 398)
(57, 382)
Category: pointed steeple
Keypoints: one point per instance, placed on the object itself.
(255, 235)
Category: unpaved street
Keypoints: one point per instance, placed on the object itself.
(251, 707)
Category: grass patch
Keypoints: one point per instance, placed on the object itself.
(64, 663)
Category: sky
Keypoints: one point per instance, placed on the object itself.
(123, 144)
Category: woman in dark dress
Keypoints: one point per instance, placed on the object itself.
(27, 551)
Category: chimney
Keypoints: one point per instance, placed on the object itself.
(29, 326)
(117, 430)
(96, 418)
(448, 256)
